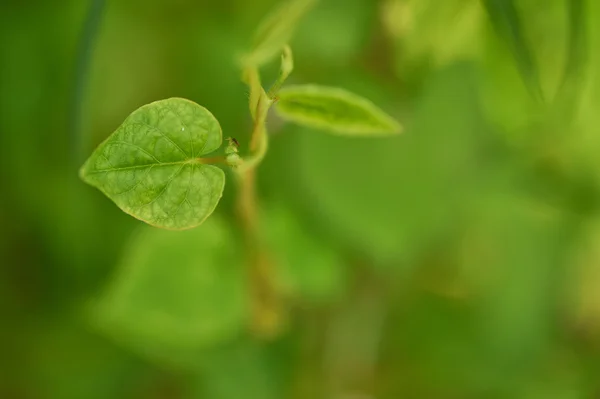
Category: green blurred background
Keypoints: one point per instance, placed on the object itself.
(459, 260)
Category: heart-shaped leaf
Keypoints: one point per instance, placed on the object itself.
(334, 109)
(151, 166)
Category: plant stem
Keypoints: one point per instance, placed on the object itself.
(212, 160)
(267, 309)
(259, 141)
(266, 306)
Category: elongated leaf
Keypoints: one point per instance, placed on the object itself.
(175, 293)
(334, 109)
(574, 73)
(276, 30)
(507, 22)
(151, 166)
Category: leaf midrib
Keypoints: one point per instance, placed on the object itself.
(187, 161)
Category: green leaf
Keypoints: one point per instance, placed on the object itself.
(334, 109)
(151, 166)
(276, 30)
(574, 72)
(175, 293)
(507, 22)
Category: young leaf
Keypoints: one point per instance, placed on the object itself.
(151, 166)
(287, 66)
(276, 30)
(334, 109)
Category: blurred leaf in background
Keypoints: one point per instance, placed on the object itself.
(390, 197)
(456, 260)
(176, 292)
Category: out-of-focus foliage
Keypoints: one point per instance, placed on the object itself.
(169, 312)
(308, 270)
(456, 260)
(276, 30)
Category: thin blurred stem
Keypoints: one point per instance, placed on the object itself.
(87, 42)
(260, 103)
(259, 141)
(267, 309)
(251, 77)
(266, 304)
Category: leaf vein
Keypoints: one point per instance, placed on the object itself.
(118, 169)
(162, 134)
(137, 183)
(164, 188)
(116, 143)
(186, 127)
(172, 216)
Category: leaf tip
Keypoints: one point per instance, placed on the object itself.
(82, 172)
(394, 127)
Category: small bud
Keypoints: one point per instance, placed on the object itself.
(234, 160)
